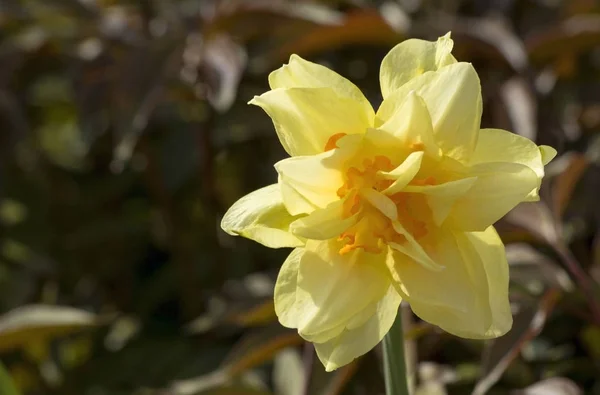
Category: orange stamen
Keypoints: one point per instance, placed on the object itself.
(361, 235)
(424, 181)
(374, 229)
(418, 146)
(332, 142)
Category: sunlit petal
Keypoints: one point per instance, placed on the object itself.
(287, 307)
(411, 124)
(305, 118)
(261, 216)
(293, 201)
(488, 248)
(381, 202)
(441, 197)
(380, 142)
(453, 98)
(403, 174)
(314, 180)
(548, 153)
(411, 58)
(325, 223)
(354, 342)
(461, 299)
(500, 186)
(496, 145)
(300, 73)
(413, 249)
(327, 285)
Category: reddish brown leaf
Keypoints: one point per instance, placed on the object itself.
(574, 35)
(565, 182)
(361, 27)
(505, 349)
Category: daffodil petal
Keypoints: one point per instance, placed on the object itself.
(413, 249)
(497, 145)
(313, 179)
(381, 202)
(441, 197)
(356, 321)
(411, 124)
(261, 216)
(361, 318)
(333, 288)
(456, 299)
(293, 201)
(325, 223)
(421, 285)
(287, 307)
(412, 58)
(453, 98)
(500, 186)
(352, 343)
(300, 73)
(403, 174)
(305, 118)
(489, 249)
(380, 142)
(548, 153)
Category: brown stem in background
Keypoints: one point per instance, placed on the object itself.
(547, 303)
(581, 277)
(341, 378)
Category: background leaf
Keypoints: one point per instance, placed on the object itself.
(7, 387)
(37, 323)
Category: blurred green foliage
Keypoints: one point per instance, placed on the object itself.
(126, 135)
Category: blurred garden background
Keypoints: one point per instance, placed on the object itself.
(125, 135)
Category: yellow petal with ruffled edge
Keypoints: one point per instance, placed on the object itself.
(330, 289)
(453, 98)
(403, 174)
(411, 58)
(325, 223)
(305, 118)
(489, 249)
(441, 197)
(293, 201)
(354, 342)
(469, 298)
(548, 153)
(380, 142)
(300, 73)
(262, 217)
(287, 307)
(313, 181)
(411, 125)
(414, 250)
(497, 145)
(499, 187)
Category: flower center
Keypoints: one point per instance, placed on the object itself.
(374, 229)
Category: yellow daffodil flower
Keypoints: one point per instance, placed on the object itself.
(388, 205)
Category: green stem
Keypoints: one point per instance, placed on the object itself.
(394, 362)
